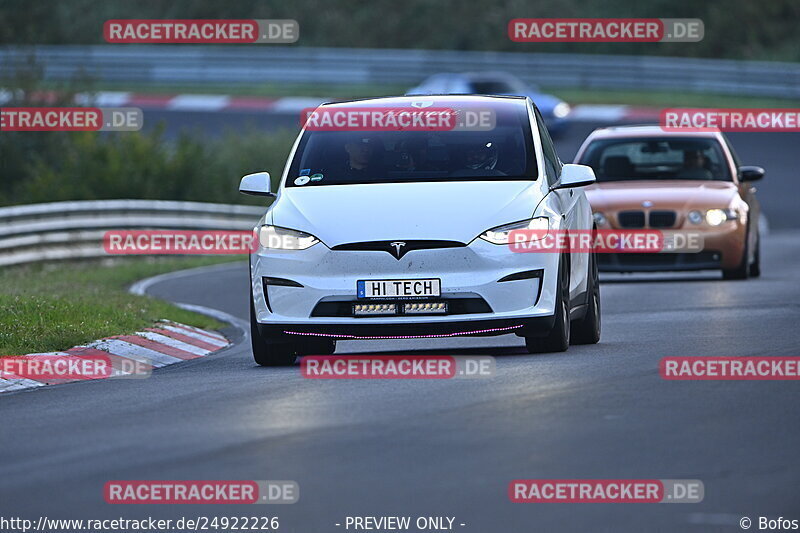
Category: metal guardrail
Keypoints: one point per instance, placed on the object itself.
(74, 230)
(231, 65)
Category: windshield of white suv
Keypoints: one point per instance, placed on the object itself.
(503, 152)
(689, 158)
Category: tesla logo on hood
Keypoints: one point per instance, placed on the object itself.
(421, 103)
(399, 248)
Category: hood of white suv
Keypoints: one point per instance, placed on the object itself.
(455, 211)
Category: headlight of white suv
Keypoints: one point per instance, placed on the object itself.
(502, 234)
(276, 238)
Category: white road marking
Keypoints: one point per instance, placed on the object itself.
(135, 352)
(169, 341)
(204, 338)
(203, 333)
(590, 113)
(295, 104)
(104, 99)
(199, 102)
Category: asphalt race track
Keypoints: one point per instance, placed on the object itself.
(450, 448)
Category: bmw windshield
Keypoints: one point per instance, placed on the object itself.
(656, 158)
(503, 151)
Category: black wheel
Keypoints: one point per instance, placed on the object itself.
(587, 329)
(558, 338)
(269, 354)
(741, 271)
(755, 267)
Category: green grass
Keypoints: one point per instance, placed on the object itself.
(268, 90)
(572, 95)
(50, 307)
(667, 98)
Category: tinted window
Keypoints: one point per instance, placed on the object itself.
(345, 157)
(548, 151)
(656, 158)
(734, 155)
(492, 87)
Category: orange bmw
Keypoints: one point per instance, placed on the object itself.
(678, 181)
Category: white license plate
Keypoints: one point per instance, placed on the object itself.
(399, 288)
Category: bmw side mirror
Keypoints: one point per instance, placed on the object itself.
(257, 184)
(575, 176)
(750, 173)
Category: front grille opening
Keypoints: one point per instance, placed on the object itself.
(452, 306)
(631, 219)
(676, 260)
(662, 219)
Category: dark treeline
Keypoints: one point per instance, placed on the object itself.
(737, 29)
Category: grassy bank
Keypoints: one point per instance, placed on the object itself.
(572, 95)
(56, 166)
(668, 98)
(56, 306)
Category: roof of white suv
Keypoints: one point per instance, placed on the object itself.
(426, 100)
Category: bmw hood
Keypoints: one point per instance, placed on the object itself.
(455, 211)
(670, 194)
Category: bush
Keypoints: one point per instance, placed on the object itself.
(736, 29)
(48, 167)
(54, 166)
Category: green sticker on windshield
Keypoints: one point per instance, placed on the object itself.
(316, 177)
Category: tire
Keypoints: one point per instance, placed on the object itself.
(557, 340)
(741, 271)
(755, 267)
(269, 354)
(587, 329)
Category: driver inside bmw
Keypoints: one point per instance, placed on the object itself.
(694, 166)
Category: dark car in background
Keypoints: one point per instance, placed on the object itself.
(554, 110)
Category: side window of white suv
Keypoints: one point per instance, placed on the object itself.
(551, 160)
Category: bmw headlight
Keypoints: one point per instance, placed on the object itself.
(695, 217)
(276, 238)
(561, 110)
(716, 217)
(502, 234)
